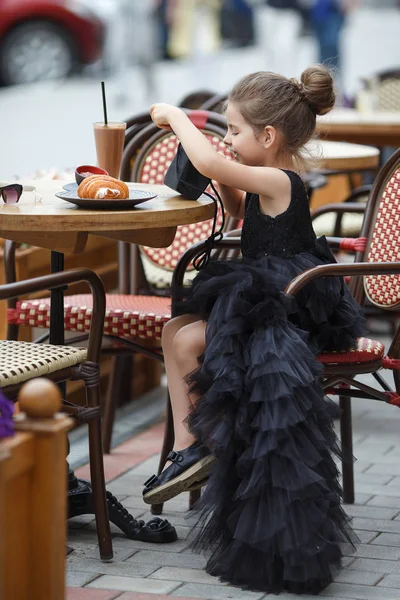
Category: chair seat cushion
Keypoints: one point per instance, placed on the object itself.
(143, 317)
(366, 350)
(131, 317)
(350, 227)
(20, 361)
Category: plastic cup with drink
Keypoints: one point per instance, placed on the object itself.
(109, 139)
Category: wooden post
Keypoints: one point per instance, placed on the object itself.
(33, 498)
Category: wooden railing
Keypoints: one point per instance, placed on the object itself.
(33, 509)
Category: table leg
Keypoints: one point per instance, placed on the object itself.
(57, 303)
(56, 333)
(80, 496)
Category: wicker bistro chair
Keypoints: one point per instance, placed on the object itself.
(196, 99)
(22, 361)
(146, 129)
(345, 220)
(385, 85)
(136, 124)
(143, 125)
(377, 260)
(153, 264)
(215, 103)
(139, 141)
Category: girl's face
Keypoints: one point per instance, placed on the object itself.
(241, 139)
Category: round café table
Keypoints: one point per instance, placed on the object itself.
(343, 157)
(376, 128)
(41, 219)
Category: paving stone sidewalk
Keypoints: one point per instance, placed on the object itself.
(142, 571)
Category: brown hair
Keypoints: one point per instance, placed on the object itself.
(289, 105)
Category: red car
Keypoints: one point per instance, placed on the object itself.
(47, 39)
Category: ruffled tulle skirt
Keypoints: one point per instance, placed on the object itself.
(271, 512)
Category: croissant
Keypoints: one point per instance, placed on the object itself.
(102, 187)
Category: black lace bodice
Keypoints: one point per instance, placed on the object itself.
(286, 234)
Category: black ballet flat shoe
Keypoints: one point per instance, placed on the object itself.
(189, 467)
(155, 531)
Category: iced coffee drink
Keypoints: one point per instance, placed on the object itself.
(109, 146)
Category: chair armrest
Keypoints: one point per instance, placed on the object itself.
(348, 244)
(335, 270)
(233, 233)
(56, 280)
(333, 242)
(227, 242)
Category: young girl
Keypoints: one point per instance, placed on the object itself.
(241, 359)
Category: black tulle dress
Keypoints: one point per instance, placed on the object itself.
(271, 512)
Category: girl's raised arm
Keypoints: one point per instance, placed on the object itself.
(266, 181)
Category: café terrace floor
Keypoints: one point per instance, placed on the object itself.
(143, 571)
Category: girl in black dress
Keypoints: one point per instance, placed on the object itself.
(249, 411)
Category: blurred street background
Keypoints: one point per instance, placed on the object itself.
(52, 61)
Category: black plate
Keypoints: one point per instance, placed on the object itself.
(135, 197)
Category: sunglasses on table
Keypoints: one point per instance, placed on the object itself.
(11, 193)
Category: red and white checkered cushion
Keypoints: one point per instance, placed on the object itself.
(366, 350)
(158, 263)
(384, 290)
(143, 317)
(131, 317)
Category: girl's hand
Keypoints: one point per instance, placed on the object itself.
(161, 114)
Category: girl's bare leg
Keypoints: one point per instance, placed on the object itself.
(183, 341)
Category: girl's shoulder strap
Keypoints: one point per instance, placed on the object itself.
(293, 176)
(298, 187)
(248, 199)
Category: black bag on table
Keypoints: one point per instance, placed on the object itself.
(184, 178)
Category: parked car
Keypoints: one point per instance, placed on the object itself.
(47, 39)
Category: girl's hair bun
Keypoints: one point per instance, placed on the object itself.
(318, 89)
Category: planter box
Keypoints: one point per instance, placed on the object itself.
(33, 510)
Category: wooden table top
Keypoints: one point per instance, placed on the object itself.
(59, 225)
(343, 156)
(347, 124)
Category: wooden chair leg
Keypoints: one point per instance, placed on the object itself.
(118, 386)
(168, 444)
(193, 497)
(98, 479)
(346, 436)
(351, 181)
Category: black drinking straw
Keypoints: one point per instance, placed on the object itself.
(103, 92)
